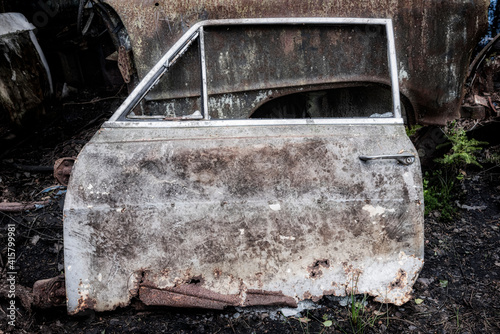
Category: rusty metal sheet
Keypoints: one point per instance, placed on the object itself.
(49, 292)
(434, 39)
(242, 215)
(62, 169)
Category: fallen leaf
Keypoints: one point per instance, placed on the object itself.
(304, 320)
(328, 323)
(35, 239)
(418, 301)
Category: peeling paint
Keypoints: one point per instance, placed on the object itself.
(275, 207)
(378, 210)
(403, 74)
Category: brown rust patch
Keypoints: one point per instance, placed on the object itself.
(217, 273)
(315, 269)
(186, 296)
(85, 304)
(307, 295)
(193, 295)
(268, 298)
(329, 292)
(400, 281)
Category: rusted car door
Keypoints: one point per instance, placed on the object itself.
(187, 208)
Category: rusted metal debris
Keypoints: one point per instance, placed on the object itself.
(50, 292)
(195, 295)
(124, 63)
(198, 297)
(62, 169)
(18, 207)
(24, 68)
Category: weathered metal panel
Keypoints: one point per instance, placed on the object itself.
(434, 39)
(242, 215)
(24, 73)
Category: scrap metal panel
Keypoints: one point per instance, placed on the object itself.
(210, 217)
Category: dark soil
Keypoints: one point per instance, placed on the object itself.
(458, 290)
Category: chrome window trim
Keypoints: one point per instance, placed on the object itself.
(119, 117)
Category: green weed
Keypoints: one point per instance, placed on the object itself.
(410, 131)
(438, 193)
(440, 186)
(463, 150)
(360, 318)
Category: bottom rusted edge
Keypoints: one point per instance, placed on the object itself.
(187, 296)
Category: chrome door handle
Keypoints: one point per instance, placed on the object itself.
(405, 158)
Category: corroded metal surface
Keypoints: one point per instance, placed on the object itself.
(62, 170)
(217, 216)
(434, 38)
(189, 295)
(24, 81)
(49, 292)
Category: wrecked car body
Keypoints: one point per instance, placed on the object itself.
(204, 202)
(434, 40)
(25, 78)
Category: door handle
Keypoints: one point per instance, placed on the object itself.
(405, 158)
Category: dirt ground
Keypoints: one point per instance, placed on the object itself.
(458, 290)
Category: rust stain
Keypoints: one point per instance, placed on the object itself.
(186, 296)
(315, 269)
(50, 292)
(400, 280)
(268, 298)
(85, 304)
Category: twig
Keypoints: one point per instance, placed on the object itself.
(484, 171)
(47, 237)
(19, 207)
(41, 169)
(403, 320)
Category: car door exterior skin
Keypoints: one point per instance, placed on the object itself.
(288, 210)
